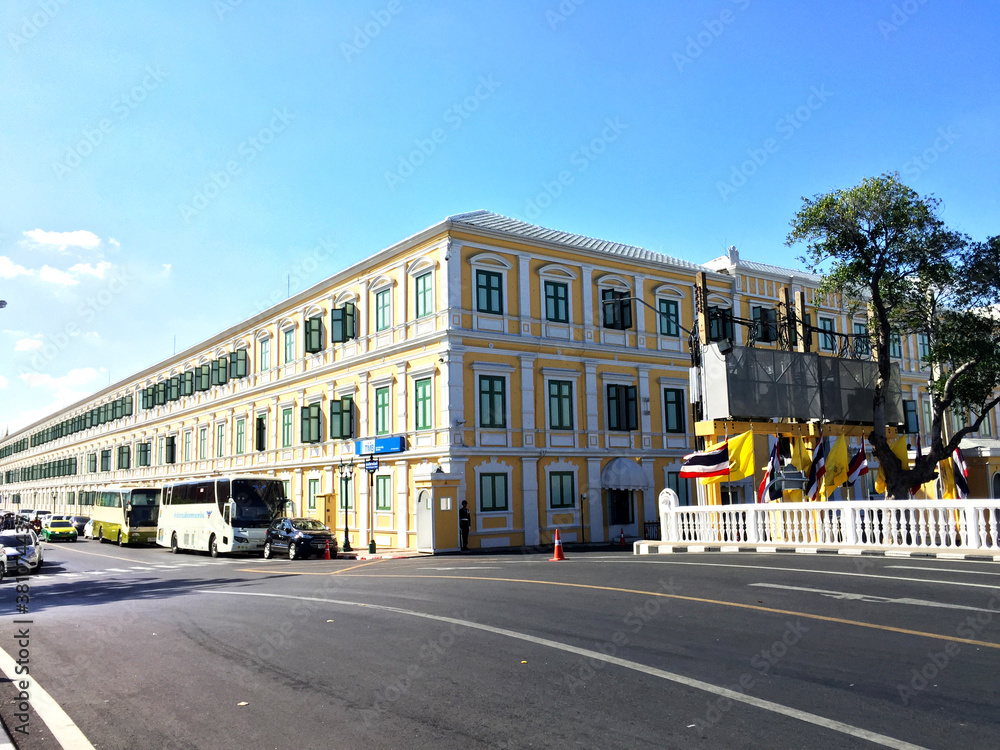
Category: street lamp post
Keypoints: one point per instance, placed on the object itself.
(346, 470)
(371, 466)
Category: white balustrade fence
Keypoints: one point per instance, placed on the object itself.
(933, 524)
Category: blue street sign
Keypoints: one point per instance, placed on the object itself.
(394, 444)
(371, 465)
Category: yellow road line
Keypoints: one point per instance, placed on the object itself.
(759, 608)
(305, 573)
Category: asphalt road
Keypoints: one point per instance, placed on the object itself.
(143, 649)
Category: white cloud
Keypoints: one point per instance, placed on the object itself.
(66, 389)
(55, 276)
(86, 269)
(62, 240)
(29, 345)
(3, 382)
(9, 269)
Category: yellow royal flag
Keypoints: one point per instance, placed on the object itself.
(837, 462)
(899, 448)
(948, 491)
(801, 460)
(740, 459)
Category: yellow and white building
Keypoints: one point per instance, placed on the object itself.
(542, 376)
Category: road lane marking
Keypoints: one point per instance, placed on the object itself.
(63, 728)
(946, 570)
(737, 605)
(870, 598)
(473, 567)
(734, 695)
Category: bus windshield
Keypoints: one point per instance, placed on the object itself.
(145, 507)
(258, 502)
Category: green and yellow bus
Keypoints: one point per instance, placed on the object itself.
(126, 515)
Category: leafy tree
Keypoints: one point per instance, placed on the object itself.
(881, 244)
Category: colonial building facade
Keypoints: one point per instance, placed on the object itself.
(542, 376)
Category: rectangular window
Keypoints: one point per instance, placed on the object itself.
(187, 445)
(827, 340)
(925, 407)
(202, 443)
(424, 294)
(560, 405)
(220, 371)
(622, 411)
(260, 434)
(187, 383)
(289, 340)
(143, 453)
(616, 309)
(670, 317)
(910, 422)
(492, 401)
(311, 424)
(492, 493)
(562, 494)
(675, 408)
(312, 489)
(342, 418)
(314, 335)
(106, 460)
(862, 346)
(382, 423)
(680, 486)
(161, 398)
(286, 428)
(203, 377)
(239, 364)
(986, 427)
(895, 346)
(422, 401)
(489, 292)
(923, 346)
(241, 435)
(124, 457)
(174, 388)
(765, 323)
(264, 355)
(342, 323)
(92, 462)
(556, 302)
(383, 493)
(160, 451)
(383, 310)
(720, 323)
(220, 440)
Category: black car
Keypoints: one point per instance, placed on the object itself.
(300, 537)
(80, 522)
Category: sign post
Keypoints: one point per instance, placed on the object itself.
(346, 470)
(371, 466)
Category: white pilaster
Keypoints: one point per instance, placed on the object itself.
(529, 501)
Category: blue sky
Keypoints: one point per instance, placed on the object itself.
(165, 167)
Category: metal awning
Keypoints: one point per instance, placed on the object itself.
(623, 474)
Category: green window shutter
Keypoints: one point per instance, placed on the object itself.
(187, 383)
(336, 420)
(238, 364)
(347, 417)
(350, 331)
(314, 335)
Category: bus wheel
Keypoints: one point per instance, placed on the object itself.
(120, 542)
(213, 547)
(99, 533)
(174, 549)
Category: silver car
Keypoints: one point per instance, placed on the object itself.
(22, 552)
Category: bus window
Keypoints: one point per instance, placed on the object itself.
(256, 502)
(145, 507)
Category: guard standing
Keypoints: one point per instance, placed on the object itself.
(464, 523)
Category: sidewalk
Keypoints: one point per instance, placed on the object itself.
(385, 554)
(667, 548)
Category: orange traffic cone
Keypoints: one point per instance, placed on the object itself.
(326, 552)
(621, 538)
(557, 553)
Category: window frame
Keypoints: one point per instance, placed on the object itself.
(560, 404)
(423, 292)
(493, 477)
(668, 318)
(383, 410)
(383, 493)
(674, 400)
(562, 476)
(483, 274)
(383, 309)
(423, 418)
(622, 407)
(492, 423)
(553, 302)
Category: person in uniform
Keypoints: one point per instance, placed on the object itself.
(464, 523)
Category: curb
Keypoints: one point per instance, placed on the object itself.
(657, 548)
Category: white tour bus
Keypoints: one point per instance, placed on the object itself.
(126, 515)
(221, 514)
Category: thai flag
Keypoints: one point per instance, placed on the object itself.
(858, 466)
(961, 472)
(817, 470)
(767, 484)
(713, 463)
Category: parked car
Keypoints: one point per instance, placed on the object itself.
(80, 522)
(299, 537)
(88, 529)
(59, 529)
(22, 552)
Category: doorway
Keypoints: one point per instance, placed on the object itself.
(621, 514)
(425, 521)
